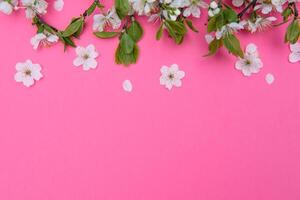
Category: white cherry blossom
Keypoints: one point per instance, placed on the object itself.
(7, 6)
(34, 7)
(213, 9)
(27, 73)
(295, 53)
(143, 7)
(171, 76)
(229, 29)
(86, 57)
(110, 19)
(260, 24)
(46, 39)
(193, 8)
(251, 63)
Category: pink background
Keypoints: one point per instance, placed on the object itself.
(77, 135)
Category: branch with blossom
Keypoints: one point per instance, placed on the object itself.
(172, 16)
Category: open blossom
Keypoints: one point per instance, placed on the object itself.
(34, 7)
(46, 39)
(171, 76)
(229, 29)
(143, 7)
(213, 9)
(86, 57)
(110, 19)
(28, 72)
(267, 7)
(295, 53)
(193, 8)
(7, 6)
(260, 24)
(251, 63)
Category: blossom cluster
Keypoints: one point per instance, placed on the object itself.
(175, 17)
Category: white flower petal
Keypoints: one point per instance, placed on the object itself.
(127, 86)
(78, 61)
(251, 48)
(295, 47)
(294, 57)
(59, 5)
(269, 78)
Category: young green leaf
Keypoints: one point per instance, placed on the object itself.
(122, 8)
(122, 58)
(293, 32)
(160, 31)
(230, 15)
(106, 35)
(232, 44)
(176, 29)
(135, 31)
(214, 46)
(126, 43)
(91, 9)
(189, 23)
(73, 27)
(212, 24)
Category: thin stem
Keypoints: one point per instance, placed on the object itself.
(251, 4)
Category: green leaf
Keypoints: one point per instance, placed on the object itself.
(73, 27)
(122, 8)
(106, 35)
(293, 32)
(135, 31)
(126, 43)
(214, 46)
(190, 25)
(160, 31)
(230, 15)
(232, 44)
(212, 24)
(122, 58)
(176, 29)
(286, 13)
(91, 9)
(220, 20)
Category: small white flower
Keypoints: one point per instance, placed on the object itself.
(59, 5)
(143, 7)
(7, 6)
(260, 24)
(238, 3)
(171, 76)
(213, 9)
(46, 39)
(127, 86)
(86, 57)
(270, 78)
(34, 7)
(193, 8)
(251, 63)
(229, 29)
(28, 72)
(295, 53)
(209, 38)
(111, 19)
(267, 7)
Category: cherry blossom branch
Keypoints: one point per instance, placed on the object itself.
(251, 4)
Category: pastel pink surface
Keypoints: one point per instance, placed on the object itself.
(77, 135)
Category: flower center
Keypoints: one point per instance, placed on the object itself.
(86, 56)
(247, 62)
(171, 76)
(27, 72)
